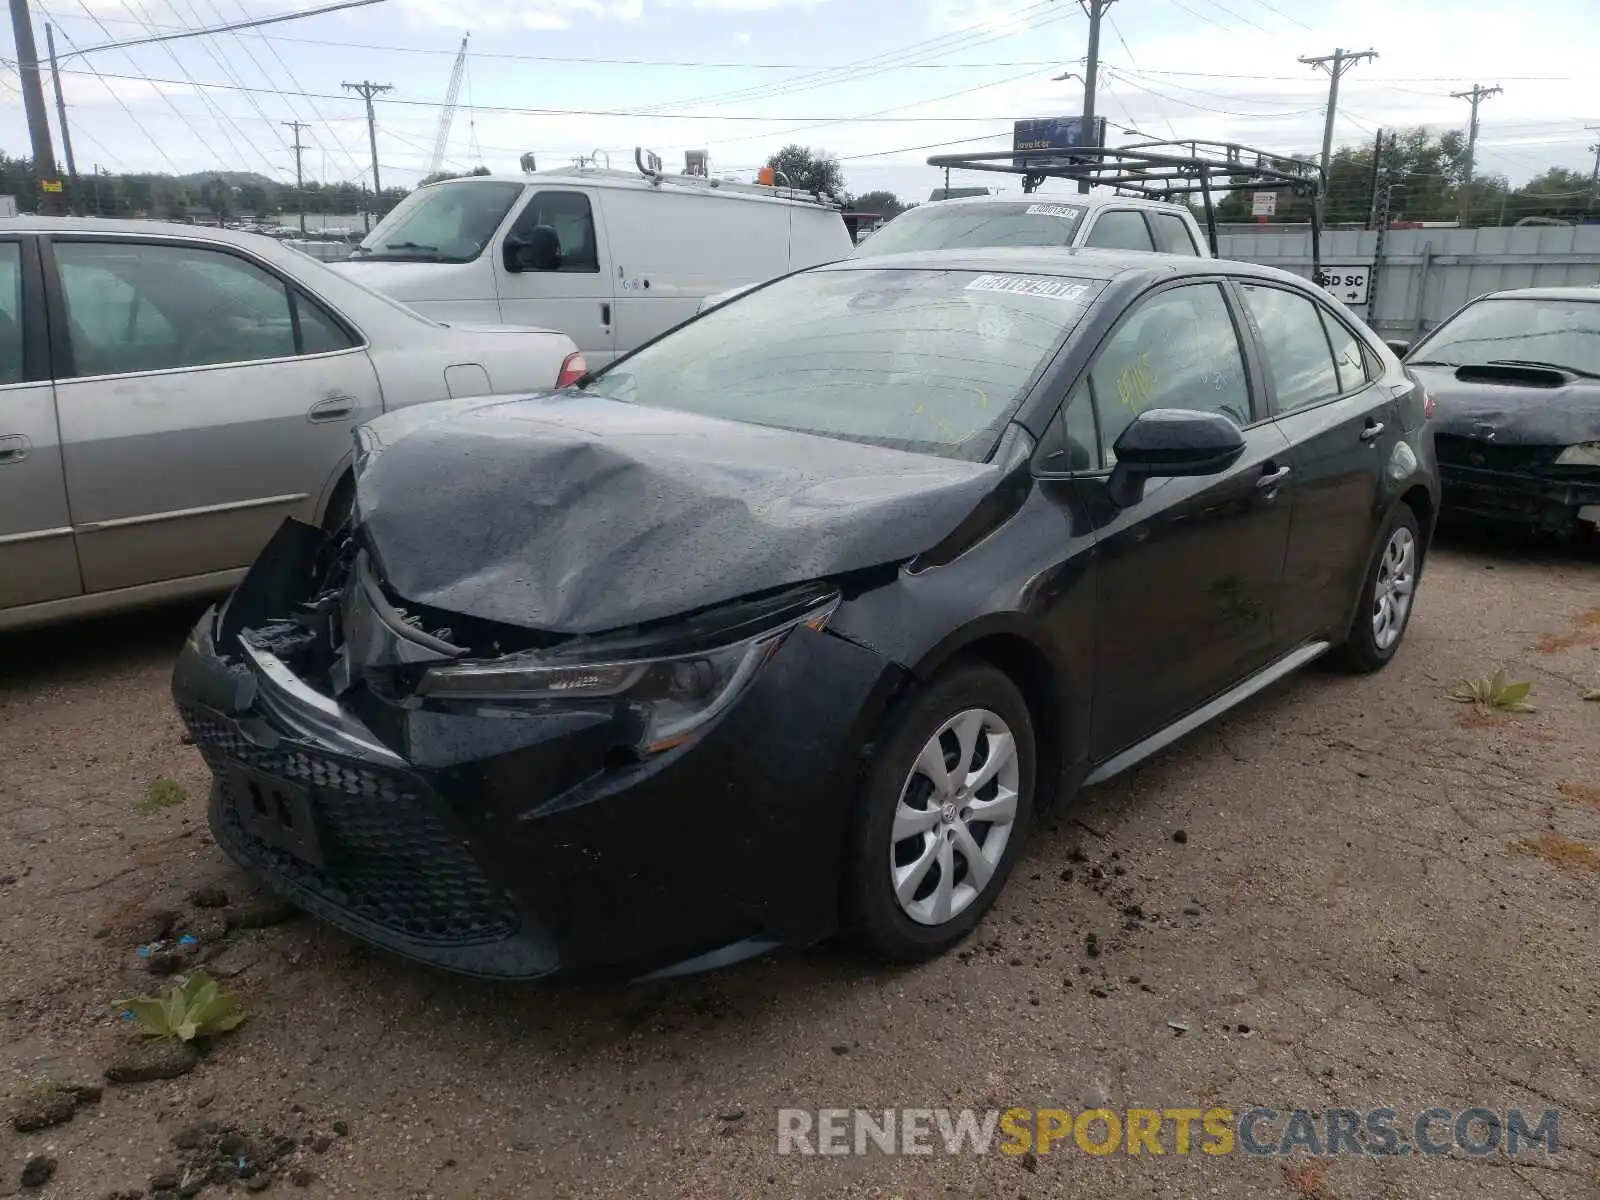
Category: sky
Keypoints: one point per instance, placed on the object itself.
(881, 84)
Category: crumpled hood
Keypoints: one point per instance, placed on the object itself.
(1518, 415)
(575, 514)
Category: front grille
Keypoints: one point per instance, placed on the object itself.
(391, 857)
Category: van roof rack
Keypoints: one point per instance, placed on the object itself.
(1159, 171)
(649, 165)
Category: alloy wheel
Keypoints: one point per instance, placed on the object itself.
(954, 817)
(1393, 588)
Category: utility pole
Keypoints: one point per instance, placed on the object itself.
(44, 154)
(1478, 94)
(1594, 175)
(61, 105)
(299, 175)
(366, 89)
(1377, 175)
(1094, 10)
(1335, 64)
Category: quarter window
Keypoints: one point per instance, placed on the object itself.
(1303, 371)
(1120, 229)
(319, 333)
(10, 312)
(141, 307)
(1178, 349)
(569, 217)
(1354, 365)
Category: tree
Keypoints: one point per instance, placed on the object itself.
(810, 170)
(885, 204)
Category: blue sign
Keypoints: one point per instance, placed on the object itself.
(1052, 136)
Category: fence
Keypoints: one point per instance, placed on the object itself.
(1424, 275)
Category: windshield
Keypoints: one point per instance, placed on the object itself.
(921, 360)
(946, 227)
(449, 222)
(1557, 333)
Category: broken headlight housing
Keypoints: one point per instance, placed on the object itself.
(1584, 454)
(673, 692)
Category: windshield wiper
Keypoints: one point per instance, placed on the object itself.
(1534, 362)
(409, 246)
(1430, 362)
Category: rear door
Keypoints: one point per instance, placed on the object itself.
(574, 294)
(1342, 428)
(1188, 576)
(202, 399)
(37, 560)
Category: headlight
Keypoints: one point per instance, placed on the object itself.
(672, 694)
(1584, 454)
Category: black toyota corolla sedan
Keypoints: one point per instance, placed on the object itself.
(786, 624)
(1516, 377)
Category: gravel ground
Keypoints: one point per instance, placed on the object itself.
(1378, 898)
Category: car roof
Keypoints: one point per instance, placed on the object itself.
(1092, 200)
(1074, 261)
(1590, 293)
(149, 229)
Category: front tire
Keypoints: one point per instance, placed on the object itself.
(1387, 595)
(942, 816)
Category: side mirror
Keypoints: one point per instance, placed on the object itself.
(1169, 442)
(1401, 349)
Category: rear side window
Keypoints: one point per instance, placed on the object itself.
(1355, 367)
(1290, 328)
(1120, 229)
(569, 215)
(10, 312)
(1172, 234)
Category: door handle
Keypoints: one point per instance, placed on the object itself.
(1373, 429)
(332, 408)
(13, 448)
(605, 314)
(1271, 481)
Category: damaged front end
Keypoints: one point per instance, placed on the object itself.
(514, 803)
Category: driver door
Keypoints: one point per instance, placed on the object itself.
(202, 400)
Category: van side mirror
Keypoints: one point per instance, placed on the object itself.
(1171, 442)
(1401, 349)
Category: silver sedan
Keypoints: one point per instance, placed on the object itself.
(169, 394)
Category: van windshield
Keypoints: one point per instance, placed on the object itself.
(449, 222)
(958, 226)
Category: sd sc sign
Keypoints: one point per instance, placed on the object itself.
(1349, 282)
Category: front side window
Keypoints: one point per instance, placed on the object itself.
(1178, 349)
(971, 226)
(1557, 333)
(443, 222)
(1292, 335)
(923, 360)
(565, 224)
(1120, 229)
(10, 312)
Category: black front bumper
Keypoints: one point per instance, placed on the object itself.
(472, 843)
(1527, 499)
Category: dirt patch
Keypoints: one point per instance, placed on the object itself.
(1563, 852)
(1585, 632)
(1580, 793)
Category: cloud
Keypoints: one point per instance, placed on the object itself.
(742, 38)
(539, 15)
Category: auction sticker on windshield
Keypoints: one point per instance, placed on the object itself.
(1065, 211)
(1029, 285)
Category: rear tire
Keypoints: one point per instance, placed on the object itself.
(1388, 595)
(922, 864)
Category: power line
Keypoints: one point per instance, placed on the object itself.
(1122, 76)
(1171, 128)
(110, 91)
(928, 48)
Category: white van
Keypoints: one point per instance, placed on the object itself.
(610, 258)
